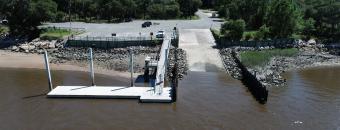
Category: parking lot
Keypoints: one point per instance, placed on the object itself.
(134, 28)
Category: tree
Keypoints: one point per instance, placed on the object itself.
(209, 3)
(327, 19)
(44, 10)
(309, 28)
(172, 11)
(253, 12)
(25, 16)
(156, 11)
(283, 18)
(189, 7)
(233, 29)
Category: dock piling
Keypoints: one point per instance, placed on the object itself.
(91, 67)
(131, 66)
(47, 65)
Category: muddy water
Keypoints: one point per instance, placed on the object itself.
(206, 100)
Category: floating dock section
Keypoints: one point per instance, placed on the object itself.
(144, 94)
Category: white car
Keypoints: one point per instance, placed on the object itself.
(160, 34)
(4, 21)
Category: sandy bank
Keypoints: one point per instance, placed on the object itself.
(10, 59)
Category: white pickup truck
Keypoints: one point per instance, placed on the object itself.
(160, 34)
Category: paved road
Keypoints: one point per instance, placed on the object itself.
(133, 28)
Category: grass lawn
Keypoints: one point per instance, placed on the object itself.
(54, 34)
(258, 58)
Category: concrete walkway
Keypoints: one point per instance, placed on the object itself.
(199, 45)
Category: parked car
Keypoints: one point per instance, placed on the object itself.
(160, 34)
(128, 20)
(4, 21)
(146, 24)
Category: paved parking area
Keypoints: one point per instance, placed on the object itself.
(135, 27)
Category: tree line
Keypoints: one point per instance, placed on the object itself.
(280, 18)
(268, 18)
(26, 15)
(119, 10)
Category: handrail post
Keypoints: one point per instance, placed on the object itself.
(91, 67)
(47, 65)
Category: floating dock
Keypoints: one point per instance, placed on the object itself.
(144, 94)
(156, 94)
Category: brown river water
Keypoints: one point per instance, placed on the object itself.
(206, 100)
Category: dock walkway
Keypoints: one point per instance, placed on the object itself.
(144, 94)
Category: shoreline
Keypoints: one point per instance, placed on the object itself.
(36, 61)
(271, 74)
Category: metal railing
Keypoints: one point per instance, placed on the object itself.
(111, 42)
(118, 38)
(162, 66)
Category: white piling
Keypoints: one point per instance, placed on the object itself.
(91, 66)
(131, 66)
(47, 65)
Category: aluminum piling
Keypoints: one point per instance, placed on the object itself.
(131, 66)
(91, 66)
(48, 71)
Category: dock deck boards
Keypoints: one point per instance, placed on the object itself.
(145, 94)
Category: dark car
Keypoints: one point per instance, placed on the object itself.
(128, 20)
(146, 24)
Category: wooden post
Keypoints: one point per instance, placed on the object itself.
(47, 65)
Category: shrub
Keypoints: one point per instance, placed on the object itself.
(233, 29)
(248, 36)
(54, 34)
(60, 16)
(263, 33)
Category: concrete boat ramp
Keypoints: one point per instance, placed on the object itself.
(144, 94)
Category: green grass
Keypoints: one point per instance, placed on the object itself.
(258, 58)
(248, 35)
(3, 29)
(55, 34)
(216, 33)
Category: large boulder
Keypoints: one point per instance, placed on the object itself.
(26, 47)
(311, 42)
(51, 45)
(15, 48)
